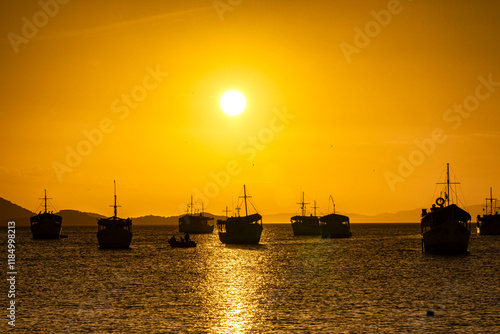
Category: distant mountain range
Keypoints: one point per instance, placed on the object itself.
(10, 211)
(13, 212)
(407, 216)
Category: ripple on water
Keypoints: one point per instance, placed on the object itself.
(376, 281)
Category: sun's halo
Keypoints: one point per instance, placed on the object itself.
(233, 102)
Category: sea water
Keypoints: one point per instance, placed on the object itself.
(377, 281)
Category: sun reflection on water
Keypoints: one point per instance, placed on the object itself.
(374, 282)
(233, 303)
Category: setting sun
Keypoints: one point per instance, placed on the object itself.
(251, 167)
(233, 102)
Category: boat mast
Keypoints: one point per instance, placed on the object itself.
(331, 198)
(315, 207)
(115, 206)
(491, 199)
(114, 181)
(226, 211)
(245, 196)
(448, 183)
(191, 205)
(491, 202)
(45, 198)
(303, 207)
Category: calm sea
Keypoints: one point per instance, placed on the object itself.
(376, 281)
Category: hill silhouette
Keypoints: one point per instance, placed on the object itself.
(78, 218)
(13, 212)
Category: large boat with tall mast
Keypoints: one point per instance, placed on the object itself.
(195, 223)
(46, 224)
(304, 224)
(446, 228)
(241, 230)
(114, 232)
(489, 223)
(335, 225)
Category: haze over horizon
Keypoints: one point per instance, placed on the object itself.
(363, 101)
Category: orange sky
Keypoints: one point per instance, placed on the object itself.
(337, 94)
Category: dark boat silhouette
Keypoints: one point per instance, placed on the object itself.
(303, 224)
(241, 230)
(114, 232)
(489, 223)
(335, 225)
(446, 228)
(46, 225)
(182, 243)
(195, 223)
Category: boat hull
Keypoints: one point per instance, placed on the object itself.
(46, 230)
(335, 231)
(249, 234)
(488, 225)
(335, 226)
(448, 237)
(305, 229)
(193, 228)
(305, 225)
(195, 225)
(114, 238)
(179, 244)
(46, 226)
(488, 230)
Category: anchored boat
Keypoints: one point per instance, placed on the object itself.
(195, 223)
(305, 225)
(46, 225)
(446, 228)
(114, 232)
(489, 223)
(335, 225)
(241, 230)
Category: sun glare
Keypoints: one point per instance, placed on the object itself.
(233, 102)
